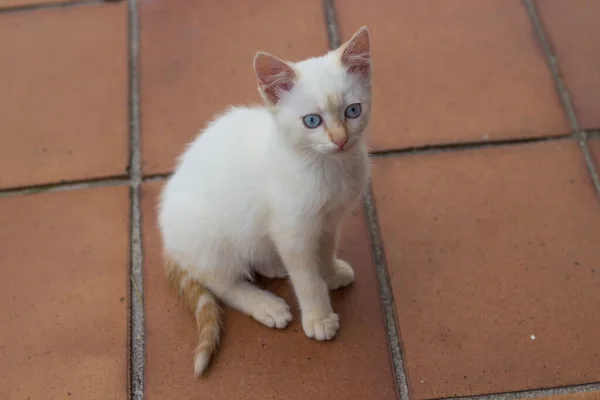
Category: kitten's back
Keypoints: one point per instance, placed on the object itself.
(240, 131)
(216, 190)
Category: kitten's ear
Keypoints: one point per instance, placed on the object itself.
(356, 54)
(275, 76)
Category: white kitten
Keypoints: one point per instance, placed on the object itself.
(263, 189)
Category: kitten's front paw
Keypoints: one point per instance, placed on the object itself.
(273, 312)
(343, 276)
(320, 326)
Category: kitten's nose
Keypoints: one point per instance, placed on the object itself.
(340, 143)
(339, 136)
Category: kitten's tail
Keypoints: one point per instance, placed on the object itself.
(206, 312)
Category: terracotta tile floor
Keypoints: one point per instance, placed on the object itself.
(476, 252)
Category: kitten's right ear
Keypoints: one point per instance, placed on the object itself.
(356, 54)
(275, 76)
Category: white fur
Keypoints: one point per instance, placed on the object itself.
(259, 190)
(201, 362)
(202, 301)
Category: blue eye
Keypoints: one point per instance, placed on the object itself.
(353, 110)
(311, 121)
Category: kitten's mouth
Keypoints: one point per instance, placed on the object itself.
(341, 145)
(343, 148)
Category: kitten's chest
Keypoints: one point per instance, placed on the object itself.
(337, 187)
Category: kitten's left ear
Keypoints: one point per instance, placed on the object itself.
(356, 54)
(275, 76)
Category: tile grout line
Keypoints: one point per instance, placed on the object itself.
(563, 93)
(385, 290)
(136, 288)
(401, 152)
(66, 185)
(160, 176)
(534, 393)
(387, 297)
(49, 6)
(561, 88)
(157, 177)
(333, 34)
(465, 146)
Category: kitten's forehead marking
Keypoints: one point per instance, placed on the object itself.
(338, 132)
(333, 108)
(333, 104)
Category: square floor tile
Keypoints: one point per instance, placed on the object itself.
(256, 362)
(196, 60)
(63, 295)
(574, 33)
(493, 256)
(64, 103)
(463, 71)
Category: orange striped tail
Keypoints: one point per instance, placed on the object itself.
(206, 312)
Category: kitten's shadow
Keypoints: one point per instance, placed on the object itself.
(233, 320)
(283, 287)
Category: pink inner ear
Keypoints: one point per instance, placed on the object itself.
(275, 77)
(356, 56)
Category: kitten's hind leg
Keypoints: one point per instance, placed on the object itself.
(261, 305)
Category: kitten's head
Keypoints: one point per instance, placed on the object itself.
(322, 104)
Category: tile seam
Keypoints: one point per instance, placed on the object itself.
(136, 288)
(63, 186)
(157, 177)
(333, 34)
(385, 290)
(387, 297)
(48, 6)
(563, 93)
(465, 146)
(534, 393)
(428, 149)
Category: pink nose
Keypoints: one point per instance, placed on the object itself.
(341, 143)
